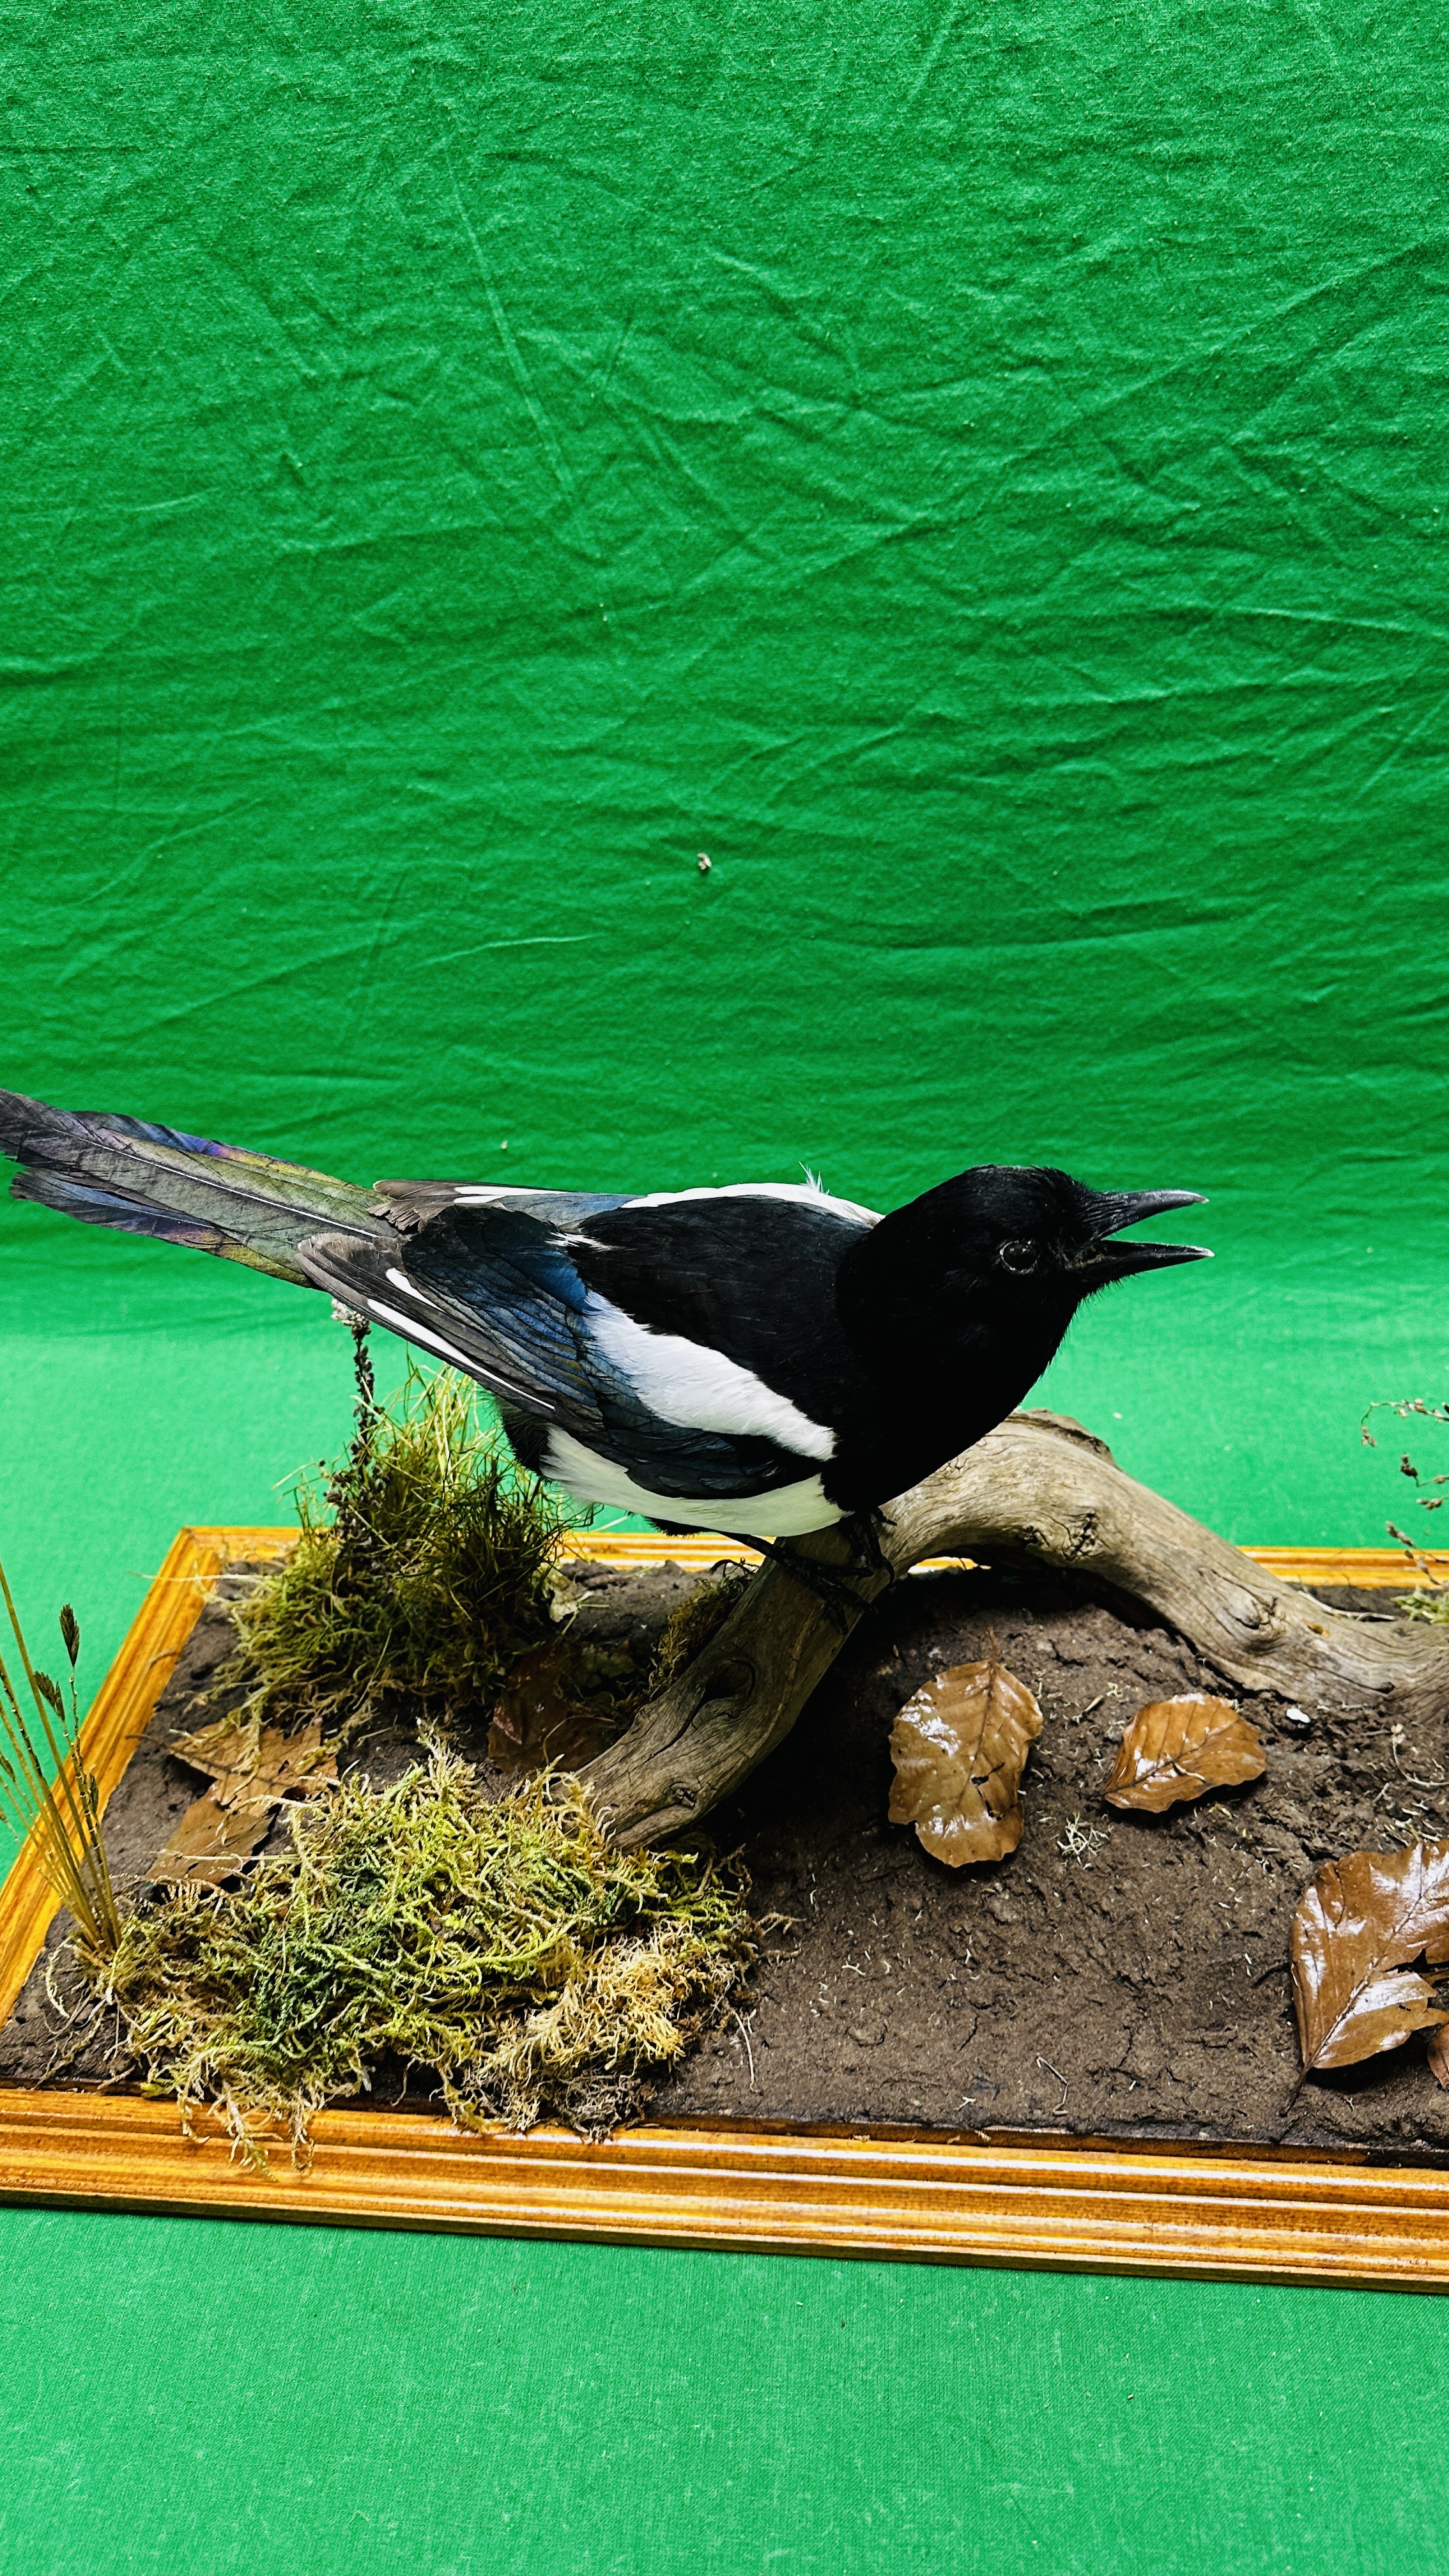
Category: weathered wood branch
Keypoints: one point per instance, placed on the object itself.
(1040, 1489)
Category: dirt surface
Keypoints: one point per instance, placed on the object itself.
(1119, 1975)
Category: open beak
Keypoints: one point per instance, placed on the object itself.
(1121, 1208)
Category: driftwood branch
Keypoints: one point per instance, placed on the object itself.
(1040, 1489)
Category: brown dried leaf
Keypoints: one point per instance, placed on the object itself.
(247, 1760)
(1439, 2054)
(959, 1748)
(209, 1841)
(1178, 1748)
(253, 1768)
(1356, 1928)
(539, 1718)
(219, 1747)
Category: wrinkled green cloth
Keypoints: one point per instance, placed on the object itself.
(973, 476)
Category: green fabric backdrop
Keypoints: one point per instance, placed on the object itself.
(974, 476)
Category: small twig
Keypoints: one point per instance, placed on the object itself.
(749, 2052)
(1081, 1842)
(1061, 2079)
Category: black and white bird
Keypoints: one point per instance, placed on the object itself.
(762, 1359)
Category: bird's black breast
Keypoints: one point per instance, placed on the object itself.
(751, 1277)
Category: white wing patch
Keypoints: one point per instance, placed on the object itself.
(687, 1383)
(401, 1280)
(413, 1331)
(481, 1193)
(810, 1192)
(787, 1513)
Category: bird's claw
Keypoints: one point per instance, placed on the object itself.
(832, 1585)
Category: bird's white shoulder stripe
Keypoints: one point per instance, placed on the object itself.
(806, 1193)
(688, 1383)
(787, 1513)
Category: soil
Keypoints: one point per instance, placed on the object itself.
(1119, 1976)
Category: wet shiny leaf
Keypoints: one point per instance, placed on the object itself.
(959, 1748)
(1356, 1931)
(1178, 1748)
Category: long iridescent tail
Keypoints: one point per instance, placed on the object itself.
(143, 1179)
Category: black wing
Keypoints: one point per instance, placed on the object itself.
(751, 1276)
(494, 1288)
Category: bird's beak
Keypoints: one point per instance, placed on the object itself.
(1121, 1208)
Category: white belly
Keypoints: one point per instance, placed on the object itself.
(786, 1513)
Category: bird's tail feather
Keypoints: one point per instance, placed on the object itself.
(144, 1179)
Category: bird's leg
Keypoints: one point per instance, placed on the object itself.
(830, 1584)
(867, 1556)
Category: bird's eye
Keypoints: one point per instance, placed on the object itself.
(1021, 1257)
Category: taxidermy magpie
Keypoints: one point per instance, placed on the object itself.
(762, 1359)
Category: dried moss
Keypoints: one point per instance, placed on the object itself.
(577, 1693)
(421, 1571)
(502, 1944)
(1431, 1605)
(688, 1630)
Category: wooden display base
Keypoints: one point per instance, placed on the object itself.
(913, 2195)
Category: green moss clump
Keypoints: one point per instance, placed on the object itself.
(420, 1573)
(1433, 1605)
(502, 1944)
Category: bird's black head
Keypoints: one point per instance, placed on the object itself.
(1004, 1253)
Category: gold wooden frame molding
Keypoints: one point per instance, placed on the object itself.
(917, 2195)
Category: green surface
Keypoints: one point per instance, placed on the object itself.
(459, 2407)
(976, 477)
